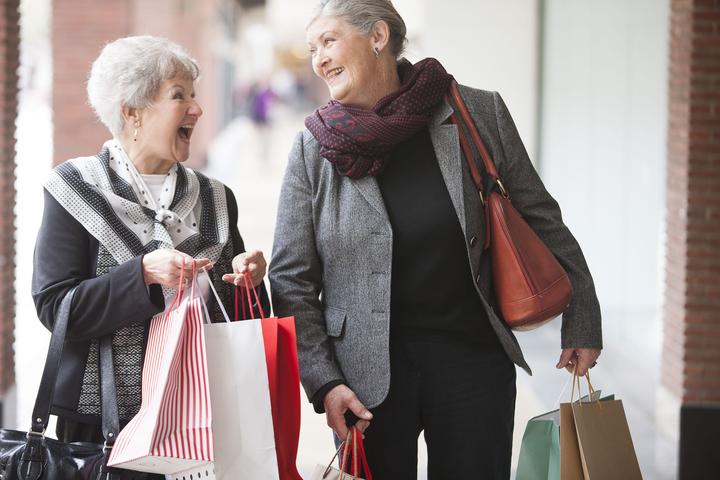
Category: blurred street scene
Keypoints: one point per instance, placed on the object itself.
(591, 88)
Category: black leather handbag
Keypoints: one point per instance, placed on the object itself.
(32, 456)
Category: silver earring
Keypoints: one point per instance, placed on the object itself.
(376, 52)
(137, 125)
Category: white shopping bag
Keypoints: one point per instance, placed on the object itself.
(172, 431)
(240, 397)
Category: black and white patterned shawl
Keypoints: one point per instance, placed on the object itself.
(106, 194)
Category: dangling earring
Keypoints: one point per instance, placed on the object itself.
(376, 52)
(137, 125)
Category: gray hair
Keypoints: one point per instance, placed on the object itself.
(129, 72)
(364, 14)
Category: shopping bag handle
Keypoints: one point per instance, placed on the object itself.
(345, 455)
(564, 389)
(329, 465)
(363, 456)
(344, 447)
(217, 298)
(358, 456)
(181, 286)
(591, 390)
(248, 287)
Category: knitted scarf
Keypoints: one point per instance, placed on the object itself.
(359, 141)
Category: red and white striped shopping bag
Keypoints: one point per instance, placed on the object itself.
(172, 431)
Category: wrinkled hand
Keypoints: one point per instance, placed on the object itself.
(584, 358)
(163, 267)
(252, 263)
(338, 401)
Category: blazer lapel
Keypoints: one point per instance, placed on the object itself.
(446, 142)
(370, 189)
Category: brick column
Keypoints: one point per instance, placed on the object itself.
(80, 28)
(691, 347)
(9, 62)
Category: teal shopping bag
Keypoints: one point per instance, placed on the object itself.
(540, 447)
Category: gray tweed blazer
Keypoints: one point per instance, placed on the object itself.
(332, 256)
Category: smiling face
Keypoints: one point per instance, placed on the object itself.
(167, 124)
(342, 56)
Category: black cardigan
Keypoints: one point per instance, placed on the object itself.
(66, 256)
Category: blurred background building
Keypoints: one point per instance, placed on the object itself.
(618, 103)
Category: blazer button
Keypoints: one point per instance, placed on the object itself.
(473, 241)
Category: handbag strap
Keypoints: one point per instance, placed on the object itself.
(46, 391)
(108, 396)
(475, 150)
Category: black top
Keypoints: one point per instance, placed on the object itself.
(433, 290)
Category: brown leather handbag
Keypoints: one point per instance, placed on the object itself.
(531, 288)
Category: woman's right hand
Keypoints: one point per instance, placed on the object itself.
(164, 266)
(338, 401)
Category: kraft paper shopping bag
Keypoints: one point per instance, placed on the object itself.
(606, 447)
(595, 441)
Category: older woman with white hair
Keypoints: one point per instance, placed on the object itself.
(121, 224)
(379, 255)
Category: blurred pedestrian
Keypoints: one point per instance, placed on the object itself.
(261, 97)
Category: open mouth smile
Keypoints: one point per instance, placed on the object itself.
(331, 74)
(185, 132)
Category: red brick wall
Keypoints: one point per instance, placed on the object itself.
(691, 350)
(9, 62)
(79, 30)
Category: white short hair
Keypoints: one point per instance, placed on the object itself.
(129, 71)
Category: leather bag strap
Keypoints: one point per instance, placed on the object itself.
(108, 396)
(46, 391)
(466, 126)
(467, 121)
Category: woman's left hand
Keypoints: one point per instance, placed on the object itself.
(250, 263)
(584, 358)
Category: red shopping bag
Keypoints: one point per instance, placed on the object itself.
(172, 431)
(284, 382)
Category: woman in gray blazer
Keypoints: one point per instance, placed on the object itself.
(379, 255)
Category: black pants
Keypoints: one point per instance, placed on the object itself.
(461, 395)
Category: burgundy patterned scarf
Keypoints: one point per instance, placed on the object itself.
(358, 141)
